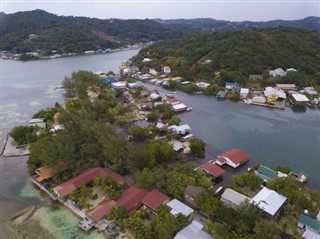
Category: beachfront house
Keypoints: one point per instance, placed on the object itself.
(265, 173)
(212, 169)
(118, 85)
(221, 95)
(233, 157)
(232, 198)
(202, 85)
(311, 91)
(310, 225)
(69, 186)
(39, 122)
(44, 174)
(244, 93)
(178, 108)
(232, 87)
(269, 201)
(299, 99)
(193, 231)
(259, 99)
(273, 94)
(180, 129)
(286, 86)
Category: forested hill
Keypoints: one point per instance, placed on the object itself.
(209, 24)
(78, 34)
(236, 54)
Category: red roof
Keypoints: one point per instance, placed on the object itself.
(236, 155)
(75, 183)
(154, 198)
(221, 160)
(212, 168)
(132, 197)
(172, 101)
(101, 210)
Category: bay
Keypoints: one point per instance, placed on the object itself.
(270, 136)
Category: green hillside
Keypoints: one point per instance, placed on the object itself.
(237, 54)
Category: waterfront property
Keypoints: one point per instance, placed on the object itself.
(38, 122)
(286, 86)
(299, 99)
(172, 101)
(310, 225)
(233, 158)
(177, 108)
(212, 169)
(69, 186)
(244, 93)
(221, 95)
(180, 129)
(43, 174)
(192, 231)
(154, 199)
(269, 201)
(232, 198)
(266, 173)
(118, 85)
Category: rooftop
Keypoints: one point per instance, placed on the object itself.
(132, 197)
(310, 222)
(212, 168)
(268, 200)
(300, 98)
(179, 207)
(154, 199)
(101, 210)
(235, 155)
(192, 231)
(233, 196)
(267, 172)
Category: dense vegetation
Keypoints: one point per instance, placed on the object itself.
(238, 54)
(78, 34)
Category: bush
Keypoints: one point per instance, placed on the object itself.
(24, 134)
(197, 147)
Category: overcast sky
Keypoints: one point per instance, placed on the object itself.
(258, 10)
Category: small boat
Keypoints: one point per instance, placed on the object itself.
(189, 109)
(169, 95)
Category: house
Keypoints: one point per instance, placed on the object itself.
(255, 77)
(308, 234)
(221, 95)
(166, 70)
(101, 210)
(309, 224)
(286, 86)
(277, 72)
(172, 101)
(38, 122)
(154, 199)
(57, 128)
(266, 173)
(107, 79)
(43, 174)
(289, 70)
(259, 99)
(180, 129)
(202, 85)
(269, 201)
(212, 168)
(233, 157)
(233, 87)
(177, 108)
(118, 85)
(193, 231)
(133, 85)
(244, 93)
(191, 193)
(273, 94)
(153, 72)
(69, 186)
(155, 96)
(132, 197)
(177, 146)
(179, 207)
(161, 126)
(310, 90)
(299, 99)
(232, 198)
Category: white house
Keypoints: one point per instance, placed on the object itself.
(202, 85)
(277, 72)
(179, 207)
(178, 107)
(146, 60)
(167, 70)
(118, 85)
(233, 158)
(232, 198)
(290, 70)
(181, 129)
(244, 92)
(269, 201)
(193, 231)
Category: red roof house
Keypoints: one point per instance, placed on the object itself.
(172, 101)
(67, 187)
(101, 210)
(212, 168)
(132, 197)
(154, 199)
(233, 157)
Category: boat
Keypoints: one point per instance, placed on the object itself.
(189, 109)
(169, 95)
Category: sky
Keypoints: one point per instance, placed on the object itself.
(232, 10)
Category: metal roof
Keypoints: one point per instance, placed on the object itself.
(310, 222)
(300, 98)
(179, 207)
(194, 230)
(267, 172)
(233, 196)
(268, 200)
